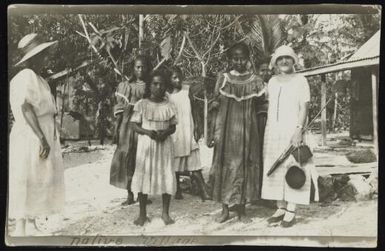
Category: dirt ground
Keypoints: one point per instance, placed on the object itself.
(93, 207)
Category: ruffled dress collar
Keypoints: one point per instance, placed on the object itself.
(242, 86)
(162, 111)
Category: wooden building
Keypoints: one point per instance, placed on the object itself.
(364, 67)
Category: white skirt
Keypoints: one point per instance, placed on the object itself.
(36, 186)
(189, 163)
(274, 187)
(154, 172)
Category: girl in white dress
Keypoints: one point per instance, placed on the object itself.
(36, 174)
(186, 148)
(289, 97)
(154, 119)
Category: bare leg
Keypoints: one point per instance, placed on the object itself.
(166, 207)
(142, 210)
(241, 210)
(202, 185)
(130, 199)
(225, 215)
(178, 194)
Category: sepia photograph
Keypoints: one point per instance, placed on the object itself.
(164, 125)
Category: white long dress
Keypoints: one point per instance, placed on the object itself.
(186, 149)
(285, 97)
(36, 186)
(154, 173)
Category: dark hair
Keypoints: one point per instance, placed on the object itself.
(239, 46)
(177, 70)
(265, 60)
(156, 73)
(148, 65)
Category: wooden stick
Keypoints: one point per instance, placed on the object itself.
(323, 104)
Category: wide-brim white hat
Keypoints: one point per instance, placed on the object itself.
(281, 51)
(31, 46)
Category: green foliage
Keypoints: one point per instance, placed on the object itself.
(319, 39)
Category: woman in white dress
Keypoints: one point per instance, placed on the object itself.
(289, 96)
(36, 175)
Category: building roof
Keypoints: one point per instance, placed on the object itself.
(368, 54)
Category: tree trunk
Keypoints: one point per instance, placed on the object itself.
(205, 108)
(141, 27)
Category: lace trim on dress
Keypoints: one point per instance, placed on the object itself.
(241, 90)
(163, 111)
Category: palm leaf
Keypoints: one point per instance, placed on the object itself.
(165, 47)
(263, 33)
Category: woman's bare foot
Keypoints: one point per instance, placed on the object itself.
(167, 219)
(141, 220)
(128, 202)
(130, 199)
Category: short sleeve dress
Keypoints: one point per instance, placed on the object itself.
(235, 174)
(285, 97)
(36, 186)
(154, 172)
(123, 161)
(186, 149)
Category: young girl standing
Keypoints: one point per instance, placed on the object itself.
(236, 164)
(154, 119)
(186, 149)
(127, 94)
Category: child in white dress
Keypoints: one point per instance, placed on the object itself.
(154, 119)
(186, 148)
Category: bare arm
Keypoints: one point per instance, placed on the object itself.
(170, 130)
(140, 130)
(163, 134)
(215, 124)
(195, 116)
(33, 122)
(118, 122)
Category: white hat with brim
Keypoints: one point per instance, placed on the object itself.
(282, 51)
(31, 46)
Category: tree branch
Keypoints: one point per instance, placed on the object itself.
(193, 47)
(160, 63)
(180, 50)
(212, 45)
(116, 68)
(81, 34)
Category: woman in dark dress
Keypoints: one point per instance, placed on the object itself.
(235, 172)
(127, 94)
